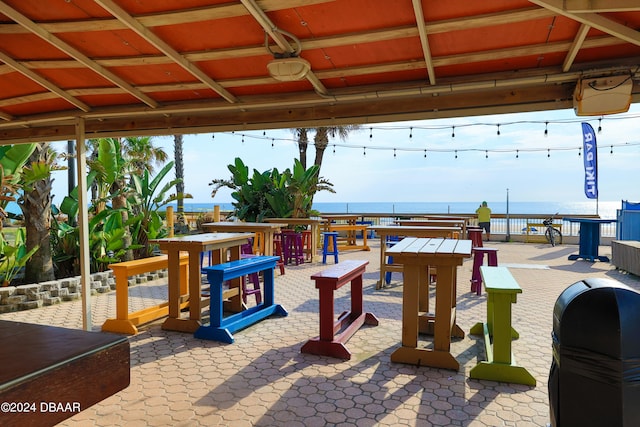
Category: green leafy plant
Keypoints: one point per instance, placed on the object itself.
(145, 201)
(13, 257)
(272, 194)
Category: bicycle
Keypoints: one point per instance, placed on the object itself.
(553, 235)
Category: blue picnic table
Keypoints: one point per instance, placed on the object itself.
(589, 238)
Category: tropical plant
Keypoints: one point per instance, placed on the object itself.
(143, 154)
(12, 159)
(145, 201)
(13, 257)
(321, 139)
(271, 193)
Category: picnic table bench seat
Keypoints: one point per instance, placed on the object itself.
(502, 290)
(334, 334)
(221, 328)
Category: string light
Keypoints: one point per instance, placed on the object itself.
(394, 153)
(364, 151)
(546, 129)
(486, 154)
(453, 128)
(334, 148)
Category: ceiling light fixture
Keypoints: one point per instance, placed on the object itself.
(287, 66)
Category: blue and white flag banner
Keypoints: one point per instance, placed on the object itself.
(590, 161)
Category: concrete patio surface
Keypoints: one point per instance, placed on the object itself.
(263, 379)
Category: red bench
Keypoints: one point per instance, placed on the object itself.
(333, 335)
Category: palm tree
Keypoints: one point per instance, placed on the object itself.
(35, 204)
(179, 165)
(301, 135)
(143, 154)
(321, 139)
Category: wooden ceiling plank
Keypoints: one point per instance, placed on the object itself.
(43, 82)
(578, 41)
(424, 40)
(489, 20)
(597, 6)
(594, 20)
(164, 47)
(207, 13)
(74, 53)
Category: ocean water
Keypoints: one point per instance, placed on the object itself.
(606, 210)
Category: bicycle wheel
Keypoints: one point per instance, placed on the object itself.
(553, 236)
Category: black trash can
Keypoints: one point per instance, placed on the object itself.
(595, 371)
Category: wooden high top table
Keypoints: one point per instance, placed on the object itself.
(194, 244)
(265, 229)
(314, 228)
(351, 228)
(416, 255)
(385, 231)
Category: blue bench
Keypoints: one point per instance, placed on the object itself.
(221, 328)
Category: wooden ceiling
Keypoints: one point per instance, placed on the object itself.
(157, 67)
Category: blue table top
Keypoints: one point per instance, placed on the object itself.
(590, 220)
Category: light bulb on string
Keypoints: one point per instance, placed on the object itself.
(456, 151)
(213, 136)
(600, 125)
(425, 154)
(264, 133)
(546, 129)
(611, 152)
(517, 154)
(272, 142)
(334, 149)
(370, 133)
(486, 154)
(410, 132)
(394, 153)
(579, 152)
(243, 138)
(364, 151)
(548, 152)
(498, 130)
(453, 131)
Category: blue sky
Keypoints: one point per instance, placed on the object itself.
(553, 174)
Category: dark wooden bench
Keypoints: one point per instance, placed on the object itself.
(49, 374)
(220, 327)
(334, 334)
(502, 290)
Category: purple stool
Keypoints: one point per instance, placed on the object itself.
(478, 260)
(475, 235)
(292, 247)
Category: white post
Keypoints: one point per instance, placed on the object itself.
(83, 224)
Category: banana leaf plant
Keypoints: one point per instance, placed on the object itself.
(13, 257)
(148, 197)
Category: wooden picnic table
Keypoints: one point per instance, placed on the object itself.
(400, 231)
(431, 222)
(314, 228)
(264, 231)
(50, 373)
(194, 245)
(351, 227)
(416, 255)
